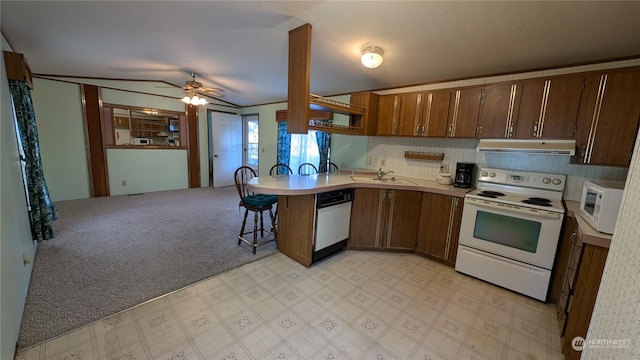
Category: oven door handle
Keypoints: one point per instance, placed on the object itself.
(514, 208)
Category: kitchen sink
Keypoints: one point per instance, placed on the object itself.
(390, 180)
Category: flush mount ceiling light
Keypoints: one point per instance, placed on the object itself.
(371, 57)
(193, 99)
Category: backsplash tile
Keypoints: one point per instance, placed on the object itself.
(391, 151)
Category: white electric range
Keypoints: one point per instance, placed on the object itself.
(510, 229)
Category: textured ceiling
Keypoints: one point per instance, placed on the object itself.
(241, 46)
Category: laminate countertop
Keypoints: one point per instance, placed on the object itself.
(317, 183)
(589, 234)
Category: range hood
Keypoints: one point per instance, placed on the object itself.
(540, 147)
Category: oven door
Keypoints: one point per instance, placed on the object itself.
(518, 233)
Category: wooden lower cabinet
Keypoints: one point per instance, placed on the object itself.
(439, 227)
(384, 219)
(296, 217)
(579, 268)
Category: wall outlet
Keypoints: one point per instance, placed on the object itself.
(369, 160)
(124, 182)
(383, 162)
(444, 168)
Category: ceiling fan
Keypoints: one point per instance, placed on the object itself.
(193, 88)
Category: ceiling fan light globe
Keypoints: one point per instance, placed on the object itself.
(186, 100)
(202, 101)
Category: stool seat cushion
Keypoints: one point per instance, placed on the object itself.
(260, 200)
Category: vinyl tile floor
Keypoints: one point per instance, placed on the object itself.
(353, 305)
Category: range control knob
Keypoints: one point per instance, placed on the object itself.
(492, 175)
(484, 173)
(557, 181)
(546, 180)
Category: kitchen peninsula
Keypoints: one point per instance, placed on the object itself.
(392, 214)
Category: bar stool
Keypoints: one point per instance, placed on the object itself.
(257, 203)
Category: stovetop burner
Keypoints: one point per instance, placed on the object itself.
(490, 194)
(537, 201)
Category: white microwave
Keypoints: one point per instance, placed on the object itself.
(600, 204)
(142, 141)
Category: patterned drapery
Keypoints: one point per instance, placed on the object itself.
(284, 144)
(43, 211)
(324, 144)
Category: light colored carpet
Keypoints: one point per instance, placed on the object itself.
(112, 253)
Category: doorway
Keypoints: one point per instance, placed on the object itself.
(225, 150)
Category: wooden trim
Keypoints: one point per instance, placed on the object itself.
(48, 77)
(299, 78)
(281, 115)
(17, 68)
(193, 155)
(91, 105)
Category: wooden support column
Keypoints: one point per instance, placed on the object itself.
(299, 79)
(193, 155)
(96, 154)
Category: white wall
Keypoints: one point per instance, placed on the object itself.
(617, 310)
(59, 111)
(146, 170)
(15, 232)
(61, 130)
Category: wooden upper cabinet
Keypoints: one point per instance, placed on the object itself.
(434, 114)
(463, 112)
(388, 114)
(369, 121)
(608, 118)
(549, 107)
(499, 111)
(409, 113)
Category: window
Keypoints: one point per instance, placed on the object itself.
(304, 149)
(251, 141)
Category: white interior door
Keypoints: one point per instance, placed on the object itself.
(227, 147)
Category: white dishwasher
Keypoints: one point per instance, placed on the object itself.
(333, 216)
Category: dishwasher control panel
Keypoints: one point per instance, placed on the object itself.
(334, 197)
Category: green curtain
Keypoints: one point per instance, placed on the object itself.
(284, 145)
(324, 144)
(43, 211)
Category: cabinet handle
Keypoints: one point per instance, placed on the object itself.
(450, 131)
(417, 130)
(511, 130)
(535, 129)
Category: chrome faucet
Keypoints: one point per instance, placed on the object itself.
(381, 173)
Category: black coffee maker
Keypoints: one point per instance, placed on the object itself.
(464, 175)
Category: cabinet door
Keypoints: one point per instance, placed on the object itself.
(403, 219)
(499, 111)
(608, 118)
(562, 263)
(434, 113)
(409, 117)
(587, 284)
(549, 108)
(464, 112)
(439, 226)
(365, 216)
(295, 226)
(388, 114)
